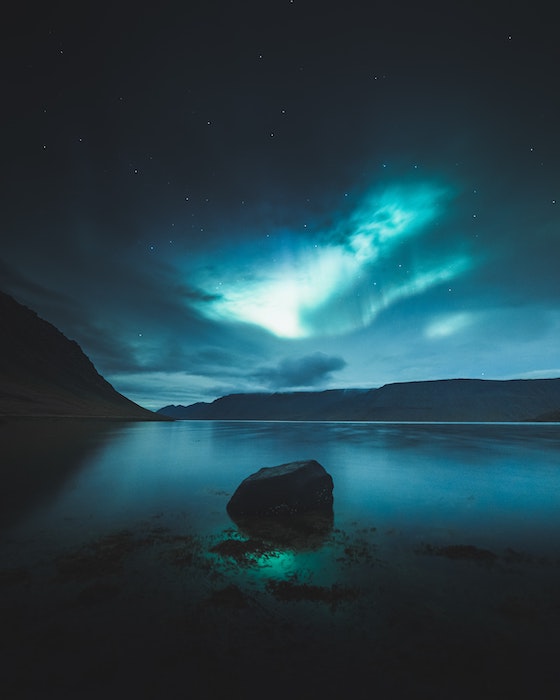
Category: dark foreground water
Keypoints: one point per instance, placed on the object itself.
(121, 575)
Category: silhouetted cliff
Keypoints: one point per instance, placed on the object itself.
(42, 373)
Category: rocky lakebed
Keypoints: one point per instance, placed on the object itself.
(157, 611)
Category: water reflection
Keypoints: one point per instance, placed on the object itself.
(38, 456)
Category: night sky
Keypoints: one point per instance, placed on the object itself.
(214, 197)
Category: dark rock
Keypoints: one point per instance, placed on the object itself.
(288, 489)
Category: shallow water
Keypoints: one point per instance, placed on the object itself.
(438, 576)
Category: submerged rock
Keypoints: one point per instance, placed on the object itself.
(286, 490)
(298, 533)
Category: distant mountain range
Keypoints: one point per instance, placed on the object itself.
(42, 373)
(441, 400)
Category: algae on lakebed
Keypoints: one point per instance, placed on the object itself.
(466, 552)
(101, 557)
(243, 551)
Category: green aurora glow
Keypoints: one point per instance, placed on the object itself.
(329, 286)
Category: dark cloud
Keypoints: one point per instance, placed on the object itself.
(191, 294)
(14, 282)
(310, 370)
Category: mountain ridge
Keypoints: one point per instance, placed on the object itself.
(453, 400)
(44, 374)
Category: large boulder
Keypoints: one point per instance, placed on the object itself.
(288, 489)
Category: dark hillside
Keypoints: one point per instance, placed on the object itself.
(43, 373)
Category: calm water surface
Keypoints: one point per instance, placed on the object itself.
(443, 559)
(498, 483)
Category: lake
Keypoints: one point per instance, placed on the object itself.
(121, 574)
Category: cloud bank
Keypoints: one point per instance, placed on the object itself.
(310, 370)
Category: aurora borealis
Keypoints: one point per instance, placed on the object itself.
(214, 198)
(331, 283)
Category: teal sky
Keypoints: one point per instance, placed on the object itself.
(213, 198)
